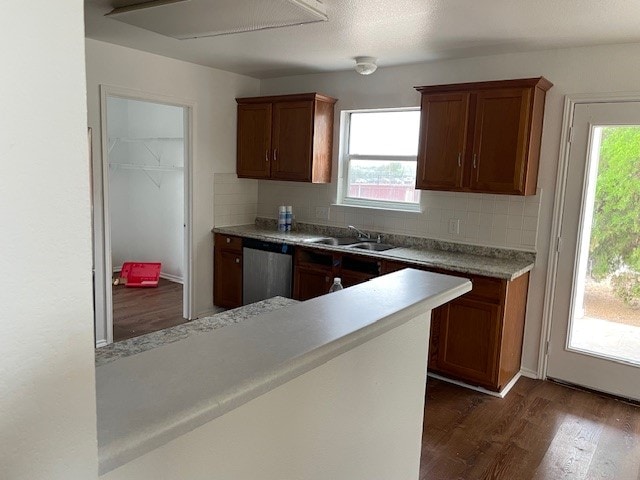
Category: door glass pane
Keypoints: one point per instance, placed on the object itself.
(606, 316)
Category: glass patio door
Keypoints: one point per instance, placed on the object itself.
(595, 331)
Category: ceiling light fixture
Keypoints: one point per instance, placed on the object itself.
(366, 65)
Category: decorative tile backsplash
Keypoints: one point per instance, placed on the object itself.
(235, 200)
(481, 219)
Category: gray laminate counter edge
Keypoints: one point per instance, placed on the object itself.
(489, 262)
(148, 399)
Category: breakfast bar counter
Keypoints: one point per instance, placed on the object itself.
(281, 394)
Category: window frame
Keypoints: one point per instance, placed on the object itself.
(345, 160)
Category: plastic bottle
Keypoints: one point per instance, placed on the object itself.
(282, 218)
(337, 285)
(289, 217)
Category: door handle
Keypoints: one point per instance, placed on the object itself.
(475, 164)
(459, 159)
(275, 154)
(266, 156)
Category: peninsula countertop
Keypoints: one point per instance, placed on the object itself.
(147, 399)
(489, 262)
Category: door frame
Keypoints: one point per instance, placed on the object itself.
(555, 245)
(103, 305)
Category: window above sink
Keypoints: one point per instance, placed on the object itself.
(379, 158)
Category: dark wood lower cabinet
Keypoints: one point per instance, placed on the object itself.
(468, 340)
(310, 282)
(476, 338)
(314, 271)
(227, 271)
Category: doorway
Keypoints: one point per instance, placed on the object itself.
(595, 330)
(145, 213)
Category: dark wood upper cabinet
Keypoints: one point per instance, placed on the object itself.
(254, 139)
(482, 137)
(287, 137)
(442, 141)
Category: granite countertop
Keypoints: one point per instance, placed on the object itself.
(491, 262)
(148, 399)
(140, 344)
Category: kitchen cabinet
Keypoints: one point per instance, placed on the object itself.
(312, 273)
(481, 137)
(477, 338)
(227, 271)
(287, 137)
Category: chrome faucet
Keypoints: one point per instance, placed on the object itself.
(360, 233)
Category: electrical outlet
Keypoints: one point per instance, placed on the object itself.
(454, 226)
(322, 213)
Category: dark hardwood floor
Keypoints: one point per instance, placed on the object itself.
(137, 311)
(541, 431)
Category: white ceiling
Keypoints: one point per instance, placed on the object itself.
(395, 31)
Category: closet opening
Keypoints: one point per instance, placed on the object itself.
(145, 217)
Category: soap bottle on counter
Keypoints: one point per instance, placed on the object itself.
(282, 218)
(337, 285)
(289, 217)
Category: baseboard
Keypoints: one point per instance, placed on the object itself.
(172, 278)
(501, 394)
(101, 343)
(526, 372)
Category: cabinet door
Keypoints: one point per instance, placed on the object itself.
(469, 334)
(254, 140)
(292, 141)
(500, 142)
(311, 282)
(350, 278)
(227, 278)
(442, 141)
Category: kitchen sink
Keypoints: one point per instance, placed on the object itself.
(376, 247)
(335, 241)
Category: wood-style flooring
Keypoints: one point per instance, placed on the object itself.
(541, 431)
(137, 311)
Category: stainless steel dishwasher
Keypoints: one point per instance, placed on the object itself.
(266, 270)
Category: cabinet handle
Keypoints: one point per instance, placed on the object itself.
(228, 240)
(459, 159)
(237, 260)
(275, 154)
(474, 160)
(266, 156)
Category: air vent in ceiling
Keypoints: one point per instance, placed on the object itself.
(184, 19)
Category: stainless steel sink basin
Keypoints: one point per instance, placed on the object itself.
(335, 241)
(376, 247)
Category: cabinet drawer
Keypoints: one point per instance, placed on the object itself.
(228, 242)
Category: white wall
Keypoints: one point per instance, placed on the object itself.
(580, 70)
(47, 379)
(213, 92)
(146, 206)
